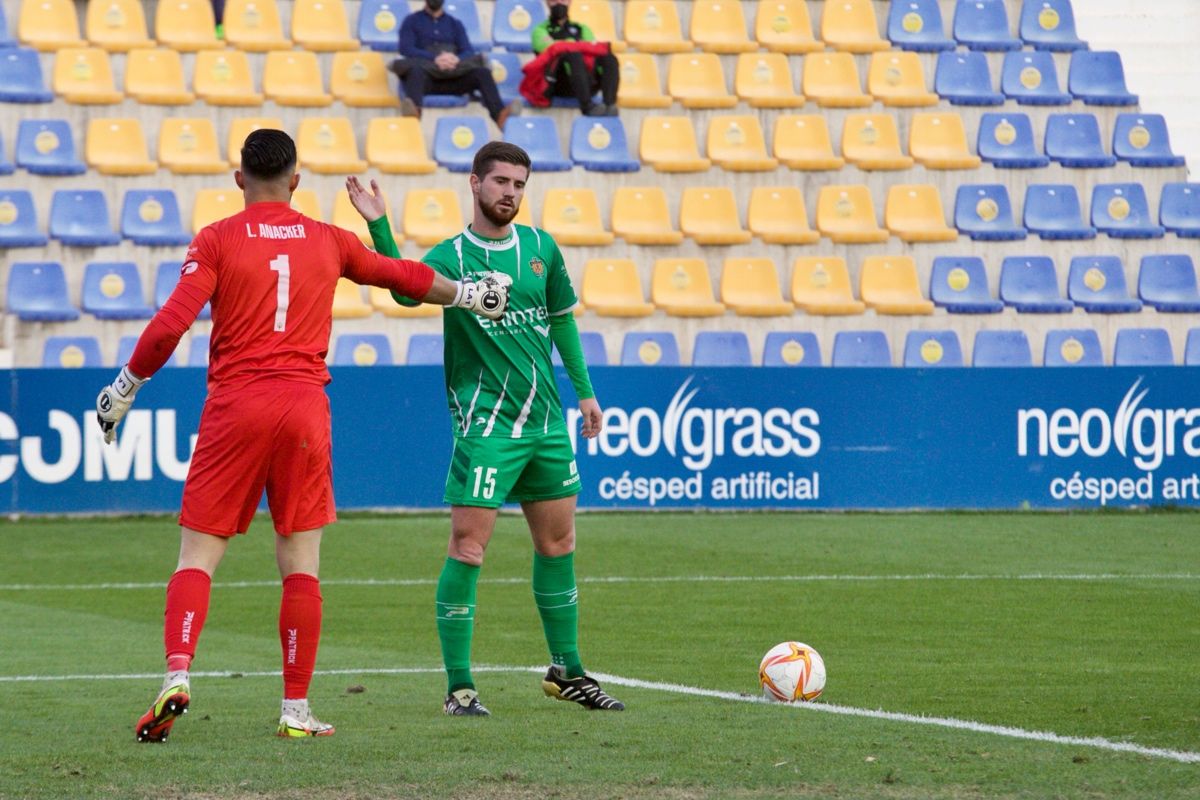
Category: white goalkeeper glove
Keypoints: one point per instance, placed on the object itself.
(114, 401)
(486, 296)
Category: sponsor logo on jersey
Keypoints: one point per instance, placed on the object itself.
(538, 266)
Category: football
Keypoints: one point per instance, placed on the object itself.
(790, 672)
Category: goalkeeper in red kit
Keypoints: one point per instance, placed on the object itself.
(269, 273)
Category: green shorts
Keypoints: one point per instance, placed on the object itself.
(491, 472)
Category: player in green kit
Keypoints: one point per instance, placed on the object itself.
(510, 439)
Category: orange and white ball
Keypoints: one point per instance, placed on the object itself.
(791, 672)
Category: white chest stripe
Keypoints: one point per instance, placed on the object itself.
(519, 425)
(491, 423)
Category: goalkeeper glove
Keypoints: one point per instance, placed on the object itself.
(114, 401)
(486, 296)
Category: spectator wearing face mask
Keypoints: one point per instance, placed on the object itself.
(577, 71)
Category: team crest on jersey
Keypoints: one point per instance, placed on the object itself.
(538, 267)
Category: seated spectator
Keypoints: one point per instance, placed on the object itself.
(575, 64)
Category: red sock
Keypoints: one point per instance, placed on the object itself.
(187, 606)
(299, 632)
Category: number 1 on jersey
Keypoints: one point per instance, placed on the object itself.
(280, 264)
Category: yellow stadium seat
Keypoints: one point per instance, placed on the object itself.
(784, 26)
(155, 76)
(322, 26)
(682, 288)
(326, 145)
(189, 146)
(118, 147)
(382, 301)
(850, 25)
(889, 284)
(777, 215)
(697, 80)
(293, 78)
(832, 80)
(736, 143)
(348, 301)
(821, 285)
(395, 145)
(186, 25)
(669, 145)
(612, 288)
(307, 203)
(764, 80)
(240, 128)
(361, 79)
(802, 142)
(652, 26)
(939, 141)
(915, 214)
(598, 15)
(640, 85)
(719, 26)
(83, 75)
(254, 25)
(47, 25)
(222, 78)
(871, 141)
(846, 215)
(525, 212)
(344, 216)
(117, 25)
(431, 215)
(215, 204)
(709, 215)
(572, 217)
(640, 216)
(750, 286)
(898, 79)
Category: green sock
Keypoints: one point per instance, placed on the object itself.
(456, 621)
(556, 596)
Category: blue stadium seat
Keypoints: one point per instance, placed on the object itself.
(1097, 284)
(6, 166)
(508, 66)
(71, 352)
(721, 349)
(1098, 79)
(443, 100)
(166, 275)
(594, 352)
(600, 144)
(1006, 140)
(1072, 347)
(965, 80)
(379, 23)
(538, 136)
(1001, 349)
(513, 22)
(959, 284)
(21, 79)
(983, 25)
(861, 349)
(1030, 285)
(151, 217)
(18, 220)
(791, 349)
(1168, 283)
(651, 349)
(125, 346)
(1030, 78)
(984, 212)
(456, 139)
(425, 349)
(917, 25)
(1049, 25)
(6, 39)
(47, 147)
(1052, 211)
(466, 12)
(1121, 211)
(1073, 140)
(113, 290)
(932, 349)
(363, 350)
(1143, 141)
(1143, 347)
(37, 292)
(1191, 352)
(79, 217)
(1179, 209)
(198, 350)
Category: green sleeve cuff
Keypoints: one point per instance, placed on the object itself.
(385, 244)
(565, 336)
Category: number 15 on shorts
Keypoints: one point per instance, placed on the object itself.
(485, 481)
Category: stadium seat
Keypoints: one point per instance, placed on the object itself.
(538, 137)
(983, 25)
(777, 215)
(1073, 140)
(6, 166)
(362, 350)
(600, 144)
(682, 288)
(1191, 353)
(326, 145)
(467, 12)
(83, 75)
(914, 214)
(71, 352)
(598, 15)
(1098, 79)
(1049, 25)
(321, 26)
(764, 80)
(506, 72)
(344, 216)
(348, 301)
(293, 78)
(154, 76)
(186, 26)
(6, 39)
(959, 284)
(750, 287)
(917, 25)
(18, 220)
(939, 141)
(846, 214)
(594, 352)
(1072, 347)
(697, 80)
(395, 145)
(240, 128)
(379, 24)
(821, 285)
(1030, 285)
(572, 217)
(425, 349)
(48, 25)
(37, 292)
(872, 142)
(709, 215)
(47, 147)
(653, 26)
(166, 276)
(791, 349)
(360, 79)
(719, 26)
(307, 203)
(898, 79)
(721, 349)
(832, 80)
(189, 146)
(640, 216)
(640, 86)
(21, 79)
(932, 349)
(1168, 283)
(222, 78)
(802, 142)
(79, 218)
(113, 290)
(649, 349)
(1006, 141)
(1001, 349)
(965, 80)
(1097, 284)
(1052, 211)
(214, 204)
(431, 215)
(669, 145)
(889, 284)
(1143, 141)
(1030, 78)
(382, 301)
(1121, 211)
(456, 139)
(117, 25)
(612, 288)
(198, 350)
(861, 349)
(151, 217)
(254, 25)
(513, 22)
(1143, 347)
(784, 26)
(851, 26)
(118, 147)
(1179, 209)
(125, 347)
(736, 143)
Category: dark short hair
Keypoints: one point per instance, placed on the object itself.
(268, 154)
(492, 152)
